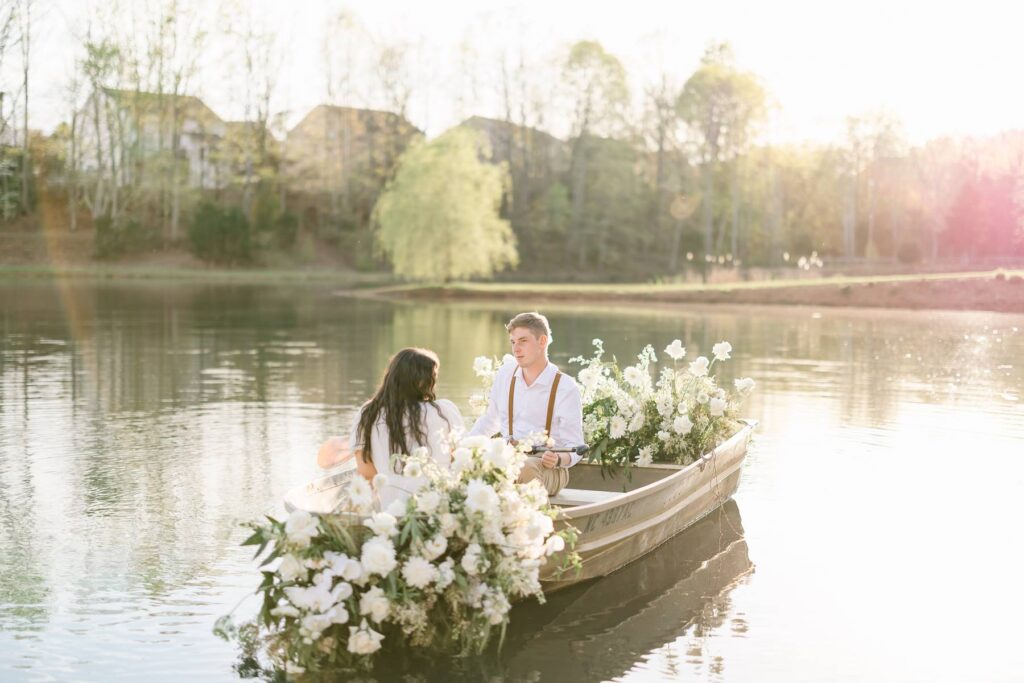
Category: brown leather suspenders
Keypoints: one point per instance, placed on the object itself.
(551, 403)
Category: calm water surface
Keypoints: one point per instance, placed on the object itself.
(875, 535)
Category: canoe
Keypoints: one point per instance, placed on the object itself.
(623, 517)
(620, 517)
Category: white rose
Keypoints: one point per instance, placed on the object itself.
(675, 350)
(617, 428)
(722, 350)
(499, 453)
(375, 604)
(555, 544)
(413, 469)
(300, 527)
(379, 556)
(481, 497)
(382, 524)
(292, 568)
(462, 459)
(435, 547)
(427, 501)
(702, 397)
(699, 367)
(744, 384)
(717, 407)
(363, 640)
(663, 435)
(397, 508)
(418, 572)
(682, 425)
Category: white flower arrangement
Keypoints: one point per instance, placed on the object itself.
(442, 574)
(630, 419)
(486, 369)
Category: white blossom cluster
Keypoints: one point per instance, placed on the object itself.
(486, 370)
(629, 419)
(441, 570)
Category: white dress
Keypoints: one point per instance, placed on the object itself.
(437, 422)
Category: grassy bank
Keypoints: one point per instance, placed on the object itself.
(1001, 290)
(335, 276)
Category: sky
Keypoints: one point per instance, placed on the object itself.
(940, 68)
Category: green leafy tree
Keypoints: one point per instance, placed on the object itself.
(595, 81)
(721, 105)
(439, 218)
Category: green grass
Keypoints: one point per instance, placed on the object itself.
(232, 275)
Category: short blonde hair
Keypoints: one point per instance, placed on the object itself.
(533, 321)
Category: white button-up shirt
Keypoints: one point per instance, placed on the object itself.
(530, 408)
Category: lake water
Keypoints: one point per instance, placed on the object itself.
(875, 534)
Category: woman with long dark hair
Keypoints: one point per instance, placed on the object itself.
(403, 414)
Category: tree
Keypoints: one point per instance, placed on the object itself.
(720, 104)
(595, 81)
(26, 163)
(438, 218)
(871, 139)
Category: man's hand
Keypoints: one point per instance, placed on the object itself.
(333, 452)
(549, 459)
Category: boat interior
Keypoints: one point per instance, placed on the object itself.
(589, 484)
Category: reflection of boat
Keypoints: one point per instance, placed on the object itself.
(621, 518)
(598, 630)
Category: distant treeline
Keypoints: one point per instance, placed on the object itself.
(683, 180)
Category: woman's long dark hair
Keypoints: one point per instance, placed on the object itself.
(408, 382)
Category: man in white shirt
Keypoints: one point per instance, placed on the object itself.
(531, 396)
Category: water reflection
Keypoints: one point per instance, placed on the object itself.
(597, 632)
(141, 422)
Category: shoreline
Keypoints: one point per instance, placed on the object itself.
(998, 291)
(990, 290)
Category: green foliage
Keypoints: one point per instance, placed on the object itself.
(220, 234)
(439, 218)
(273, 226)
(11, 176)
(116, 238)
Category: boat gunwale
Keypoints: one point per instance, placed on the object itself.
(625, 497)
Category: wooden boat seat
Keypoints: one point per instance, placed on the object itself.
(574, 497)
